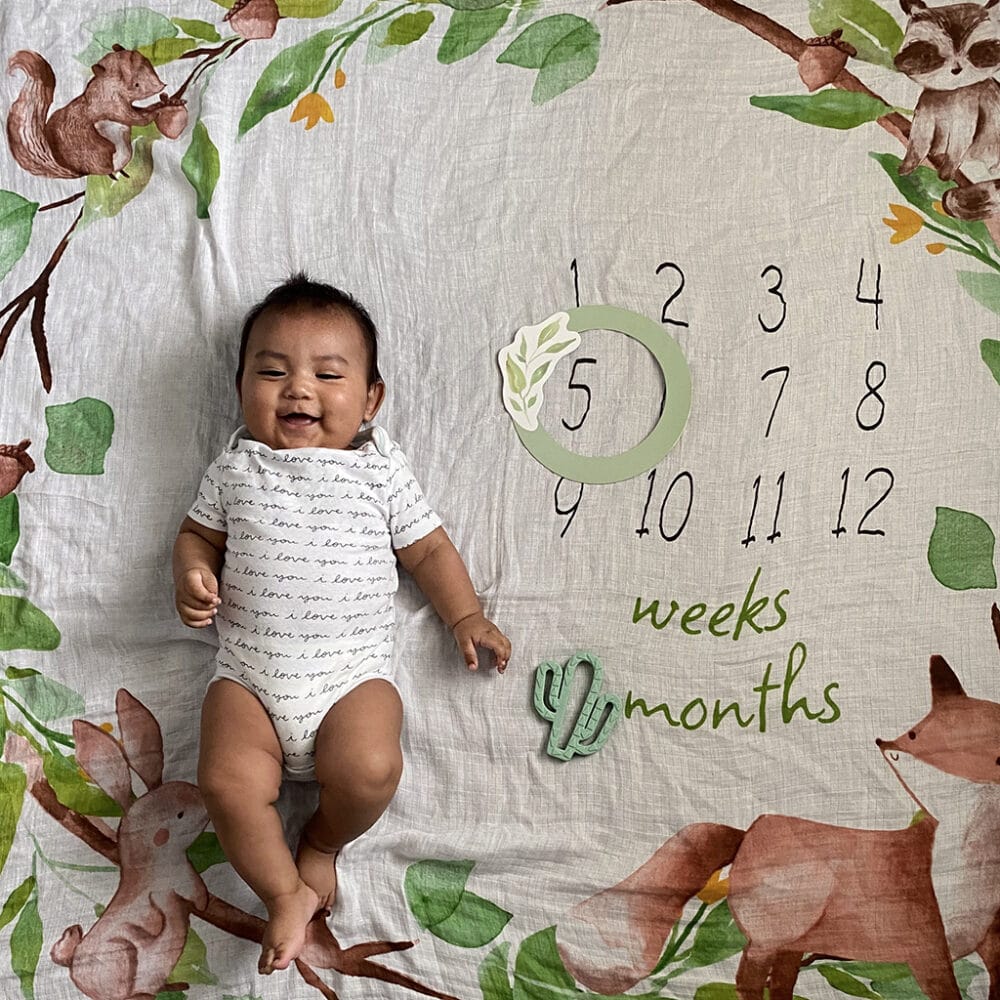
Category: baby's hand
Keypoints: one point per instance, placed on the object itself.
(477, 630)
(197, 597)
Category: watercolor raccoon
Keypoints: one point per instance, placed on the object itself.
(953, 52)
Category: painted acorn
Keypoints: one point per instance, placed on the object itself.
(253, 18)
(823, 59)
(172, 117)
(14, 463)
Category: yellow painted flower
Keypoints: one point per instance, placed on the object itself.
(936, 248)
(905, 223)
(339, 78)
(312, 107)
(715, 889)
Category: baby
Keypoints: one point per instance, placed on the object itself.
(291, 547)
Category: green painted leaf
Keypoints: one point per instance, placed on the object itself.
(192, 966)
(493, 978)
(435, 888)
(472, 4)
(9, 580)
(307, 8)
(716, 991)
(716, 939)
(26, 946)
(409, 28)
(983, 286)
(79, 436)
(548, 332)
(17, 215)
(960, 552)
(556, 348)
(538, 970)
(107, 196)
(872, 30)
(198, 29)
(515, 376)
(206, 852)
(10, 527)
(831, 108)
(12, 785)
(23, 626)
(200, 165)
(990, 352)
(526, 11)
(473, 923)
(539, 372)
(923, 189)
(74, 791)
(46, 699)
(286, 76)
(563, 48)
(16, 900)
(469, 30)
(843, 982)
(166, 50)
(131, 28)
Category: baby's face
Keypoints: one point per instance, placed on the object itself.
(305, 380)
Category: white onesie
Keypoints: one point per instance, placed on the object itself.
(309, 577)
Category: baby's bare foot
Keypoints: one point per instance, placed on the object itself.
(318, 870)
(285, 933)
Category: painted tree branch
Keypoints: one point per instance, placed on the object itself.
(322, 951)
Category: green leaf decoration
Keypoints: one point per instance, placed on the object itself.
(198, 29)
(844, 982)
(79, 436)
(17, 215)
(526, 11)
(10, 527)
(473, 923)
(46, 699)
(131, 28)
(469, 30)
(538, 970)
(306, 8)
(563, 48)
(23, 626)
(26, 946)
(166, 50)
(923, 189)
(16, 900)
(192, 966)
(74, 791)
(872, 30)
(472, 4)
(206, 852)
(107, 196)
(988, 349)
(984, 287)
(960, 552)
(286, 76)
(200, 165)
(717, 939)
(12, 785)
(408, 28)
(539, 372)
(516, 377)
(435, 888)
(493, 978)
(9, 580)
(830, 108)
(721, 991)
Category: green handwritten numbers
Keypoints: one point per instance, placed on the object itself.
(659, 441)
(598, 716)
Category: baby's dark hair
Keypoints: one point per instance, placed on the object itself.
(301, 292)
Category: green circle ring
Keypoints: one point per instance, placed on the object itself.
(602, 469)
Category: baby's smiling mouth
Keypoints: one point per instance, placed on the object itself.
(298, 419)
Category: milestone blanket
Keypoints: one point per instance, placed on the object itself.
(689, 327)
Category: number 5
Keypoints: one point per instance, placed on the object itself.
(584, 387)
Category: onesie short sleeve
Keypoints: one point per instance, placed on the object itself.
(410, 516)
(209, 509)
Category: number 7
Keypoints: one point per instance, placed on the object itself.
(784, 382)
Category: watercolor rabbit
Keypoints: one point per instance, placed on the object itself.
(131, 950)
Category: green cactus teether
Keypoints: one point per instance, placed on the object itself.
(599, 713)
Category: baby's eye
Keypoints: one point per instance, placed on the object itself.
(270, 373)
(328, 375)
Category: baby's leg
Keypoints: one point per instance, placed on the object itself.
(358, 765)
(239, 774)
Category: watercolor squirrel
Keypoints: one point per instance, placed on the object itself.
(134, 945)
(953, 52)
(924, 895)
(93, 133)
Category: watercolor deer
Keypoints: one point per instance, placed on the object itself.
(131, 950)
(924, 895)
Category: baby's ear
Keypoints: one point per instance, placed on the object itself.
(376, 395)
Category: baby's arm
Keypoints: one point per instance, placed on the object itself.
(198, 555)
(437, 567)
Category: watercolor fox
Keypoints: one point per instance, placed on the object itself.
(924, 895)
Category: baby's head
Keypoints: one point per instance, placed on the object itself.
(308, 368)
